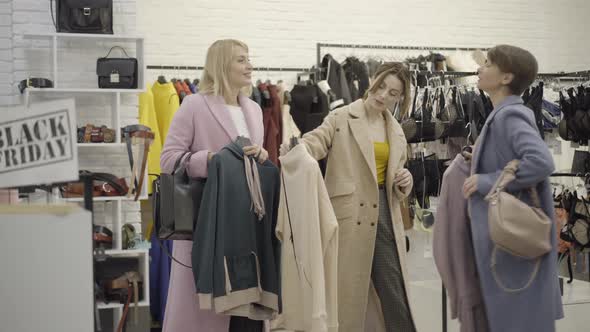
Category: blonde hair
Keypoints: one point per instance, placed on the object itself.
(400, 71)
(217, 65)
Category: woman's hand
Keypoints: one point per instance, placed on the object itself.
(403, 178)
(257, 151)
(470, 186)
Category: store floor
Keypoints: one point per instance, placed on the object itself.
(426, 292)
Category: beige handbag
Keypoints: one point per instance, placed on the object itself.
(516, 227)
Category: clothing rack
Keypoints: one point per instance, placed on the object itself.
(578, 175)
(173, 67)
(319, 47)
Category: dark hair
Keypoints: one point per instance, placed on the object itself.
(399, 70)
(518, 62)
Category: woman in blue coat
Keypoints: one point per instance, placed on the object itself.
(516, 298)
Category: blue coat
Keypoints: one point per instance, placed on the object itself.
(510, 133)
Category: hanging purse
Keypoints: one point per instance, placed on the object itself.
(117, 73)
(409, 126)
(143, 137)
(176, 202)
(84, 16)
(515, 226)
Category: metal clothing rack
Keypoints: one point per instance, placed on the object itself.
(319, 47)
(173, 67)
(578, 175)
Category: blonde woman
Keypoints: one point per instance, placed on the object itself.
(203, 125)
(366, 181)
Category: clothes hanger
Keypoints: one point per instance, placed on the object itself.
(162, 79)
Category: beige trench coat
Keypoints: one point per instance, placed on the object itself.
(351, 181)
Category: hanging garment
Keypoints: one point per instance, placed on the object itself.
(256, 96)
(551, 115)
(160, 265)
(166, 103)
(351, 181)
(202, 124)
(357, 77)
(236, 255)
(309, 107)
(308, 231)
(288, 126)
(273, 124)
(148, 117)
(334, 74)
(511, 133)
(159, 261)
(453, 250)
(186, 89)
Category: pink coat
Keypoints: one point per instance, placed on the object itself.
(202, 124)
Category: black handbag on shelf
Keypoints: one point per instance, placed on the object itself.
(117, 73)
(84, 16)
(176, 201)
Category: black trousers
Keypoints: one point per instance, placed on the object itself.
(244, 324)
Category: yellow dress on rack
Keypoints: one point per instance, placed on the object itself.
(381, 160)
(147, 117)
(166, 103)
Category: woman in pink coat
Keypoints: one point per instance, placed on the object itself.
(203, 125)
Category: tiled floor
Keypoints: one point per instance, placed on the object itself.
(426, 292)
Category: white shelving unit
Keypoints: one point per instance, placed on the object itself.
(60, 90)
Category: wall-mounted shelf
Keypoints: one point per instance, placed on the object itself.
(80, 41)
(101, 145)
(107, 198)
(62, 35)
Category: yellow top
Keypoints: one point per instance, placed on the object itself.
(381, 160)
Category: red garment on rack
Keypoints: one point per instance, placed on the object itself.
(186, 88)
(272, 120)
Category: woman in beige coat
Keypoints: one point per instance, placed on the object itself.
(366, 181)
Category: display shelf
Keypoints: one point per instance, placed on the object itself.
(113, 305)
(81, 90)
(106, 199)
(101, 145)
(77, 41)
(83, 36)
(126, 252)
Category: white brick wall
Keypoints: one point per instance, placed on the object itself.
(284, 34)
(6, 66)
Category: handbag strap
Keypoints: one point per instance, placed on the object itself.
(119, 47)
(508, 175)
(110, 179)
(183, 156)
(502, 285)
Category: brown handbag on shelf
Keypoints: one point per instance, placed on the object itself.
(105, 184)
(124, 289)
(142, 136)
(516, 227)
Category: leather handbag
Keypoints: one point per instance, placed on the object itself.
(177, 198)
(117, 73)
(515, 226)
(104, 184)
(84, 16)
